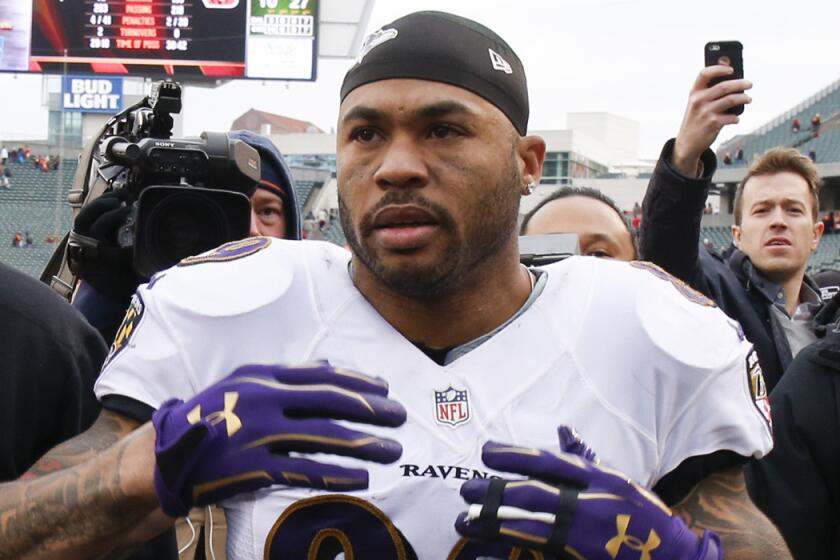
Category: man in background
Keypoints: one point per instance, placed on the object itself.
(760, 281)
(600, 226)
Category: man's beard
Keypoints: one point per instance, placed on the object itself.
(490, 224)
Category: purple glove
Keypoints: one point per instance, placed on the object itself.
(572, 508)
(571, 442)
(236, 435)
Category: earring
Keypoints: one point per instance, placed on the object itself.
(530, 188)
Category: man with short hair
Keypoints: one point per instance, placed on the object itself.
(433, 157)
(274, 204)
(600, 226)
(760, 281)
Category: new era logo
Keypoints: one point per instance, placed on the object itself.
(374, 40)
(499, 63)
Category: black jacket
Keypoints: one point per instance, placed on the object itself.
(670, 237)
(798, 484)
(50, 360)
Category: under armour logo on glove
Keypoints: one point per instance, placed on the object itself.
(613, 546)
(227, 415)
(572, 508)
(236, 435)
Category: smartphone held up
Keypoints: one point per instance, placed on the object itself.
(726, 53)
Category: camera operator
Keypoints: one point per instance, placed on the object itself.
(104, 295)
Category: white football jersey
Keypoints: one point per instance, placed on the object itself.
(645, 369)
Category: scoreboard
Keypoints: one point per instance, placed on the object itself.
(264, 39)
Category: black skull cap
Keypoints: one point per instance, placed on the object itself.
(445, 48)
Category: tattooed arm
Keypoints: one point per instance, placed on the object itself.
(90, 496)
(720, 502)
(108, 429)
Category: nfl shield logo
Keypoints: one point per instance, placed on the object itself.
(452, 406)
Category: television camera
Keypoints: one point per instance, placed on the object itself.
(180, 197)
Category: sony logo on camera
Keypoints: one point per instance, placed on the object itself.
(92, 95)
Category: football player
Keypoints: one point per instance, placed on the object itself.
(447, 445)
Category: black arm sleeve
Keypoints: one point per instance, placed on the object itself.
(678, 483)
(798, 484)
(129, 407)
(671, 213)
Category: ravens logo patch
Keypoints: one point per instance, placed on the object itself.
(758, 388)
(127, 327)
(229, 251)
(687, 291)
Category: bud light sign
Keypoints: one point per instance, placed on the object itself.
(92, 95)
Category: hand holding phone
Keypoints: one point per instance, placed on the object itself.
(726, 53)
(711, 108)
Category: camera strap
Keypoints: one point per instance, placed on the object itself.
(57, 273)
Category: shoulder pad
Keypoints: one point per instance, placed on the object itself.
(235, 278)
(687, 291)
(681, 321)
(229, 251)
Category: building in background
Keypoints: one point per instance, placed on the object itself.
(267, 124)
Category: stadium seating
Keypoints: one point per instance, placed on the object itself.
(827, 255)
(334, 234)
(303, 190)
(37, 203)
(720, 237)
(778, 132)
(826, 147)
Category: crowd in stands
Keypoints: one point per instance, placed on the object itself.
(739, 156)
(795, 127)
(24, 154)
(315, 226)
(635, 215)
(21, 156)
(816, 124)
(22, 241)
(831, 222)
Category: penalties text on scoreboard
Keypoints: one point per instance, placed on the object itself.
(227, 39)
(139, 25)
